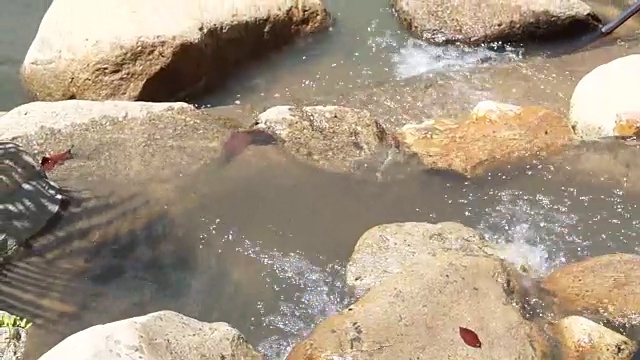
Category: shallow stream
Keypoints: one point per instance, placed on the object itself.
(264, 247)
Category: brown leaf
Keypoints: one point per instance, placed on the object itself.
(470, 337)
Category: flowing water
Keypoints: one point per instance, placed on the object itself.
(264, 248)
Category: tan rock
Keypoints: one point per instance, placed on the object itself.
(480, 21)
(331, 137)
(386, 249)
(163, 335)
(495, 134)
(420, 310)
(581, 338)
(145, 50)
(606, 288)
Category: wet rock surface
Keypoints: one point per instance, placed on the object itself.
(331, 137)
(495, 134)
(603, 288)
(181, 50)
(581, 338)
(386, 249)
(476, 22)
(419, 311)
(163, 335)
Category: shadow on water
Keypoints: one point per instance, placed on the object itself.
(262, 243)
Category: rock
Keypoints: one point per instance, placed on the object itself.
(581, 338)
(12, 341)
(604, 103)
(494, 135)
(122, 141)
(332, 137)
(419, 311)
(30, 117)
(386, 249)
(163, 335)
(28, 199)
(605, 288)
(142, 50)
(476, 22)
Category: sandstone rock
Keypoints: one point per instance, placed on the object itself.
(604, 103)
(28, 199)
(605, 288)
(331, 137)
(30, 117)
(476, 22)
(386, 249)
(582, 338)
(12, 341)
(163, 335)
(144, 50)
(418, 312)
(495, 134)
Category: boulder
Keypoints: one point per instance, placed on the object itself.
(121, 140)
(331, 137)
(581, 338)
(605, 103)
(163, 335)
(30, 117)
(480, 21)
(604, 288)
(420, 310)
(494, 135)
(386, 249)
(28, 199)
(150, 51)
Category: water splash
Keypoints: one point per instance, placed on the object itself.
(314, 294)
(417, 58)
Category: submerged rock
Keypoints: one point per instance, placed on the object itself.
(420, 310)
(481, 21)
(163, 335)
(28, 199)
(605, 101)
(386, 249)
(332, 137)
(143, 50)
(494, 135)
(605, 288)
(581, 338)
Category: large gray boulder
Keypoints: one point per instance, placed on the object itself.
(480, 21)
(163, 335)
(155, 51)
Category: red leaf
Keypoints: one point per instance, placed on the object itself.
(470, 337)
(50, 162)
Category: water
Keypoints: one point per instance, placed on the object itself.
(264, 247)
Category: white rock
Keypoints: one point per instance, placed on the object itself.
(155, 51)
(163, 335)
(605, 95)
(29, 118)
(494, 110)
